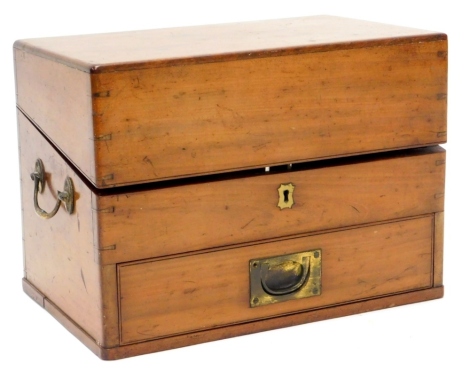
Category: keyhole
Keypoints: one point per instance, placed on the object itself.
(286, 196)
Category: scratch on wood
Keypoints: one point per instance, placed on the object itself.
(235, 113)
(260, 146)
(78, 221)
(441, 96)
(355, 208)
(438, 195)
(148, 161)
(441, 134)
(440, 162)
(83, 279)
(147, 331)
(247, 224)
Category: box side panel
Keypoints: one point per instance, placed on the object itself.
(192, 217)
(199, 292)
(59, 252)
(439, 249)
(180, 121)
(57, 99)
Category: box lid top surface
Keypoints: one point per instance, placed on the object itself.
(220, 42)
(148, 106)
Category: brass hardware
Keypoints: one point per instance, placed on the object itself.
(286, 277)
(66, 196)
(286, 196)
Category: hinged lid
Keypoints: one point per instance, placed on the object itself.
(145, 106)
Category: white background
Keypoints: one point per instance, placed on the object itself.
(426, 336)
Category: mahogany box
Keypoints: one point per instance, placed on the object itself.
(192, 184)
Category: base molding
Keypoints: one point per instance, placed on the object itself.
(193, 338)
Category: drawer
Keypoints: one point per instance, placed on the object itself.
(160, 298)
(216, 213)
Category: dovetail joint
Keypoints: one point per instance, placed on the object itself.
(107, 210)
(102, 137)
(105, 248)
(108, 177)
(102, 94)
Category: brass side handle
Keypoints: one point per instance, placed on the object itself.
(66, 196)
(287, 277)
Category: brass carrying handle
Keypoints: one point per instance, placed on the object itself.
(66, 196)
(284, 278)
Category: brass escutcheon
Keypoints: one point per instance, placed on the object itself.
(286, 196)
(285, 277)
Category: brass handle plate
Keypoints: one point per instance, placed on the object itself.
(66, 196)
(286, 277)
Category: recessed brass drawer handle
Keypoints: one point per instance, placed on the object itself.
(286, 277)
(66, 196)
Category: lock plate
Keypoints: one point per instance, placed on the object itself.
(286, 277)
(286, 196)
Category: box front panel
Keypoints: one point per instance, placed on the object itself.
(187, 120)
(159, 222)
(168, 297)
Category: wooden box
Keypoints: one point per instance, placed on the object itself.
(222, 180)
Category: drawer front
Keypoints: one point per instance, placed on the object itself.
(173, 296)
(148, 224)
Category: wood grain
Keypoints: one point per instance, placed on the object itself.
(109, 306)
(151, 121)
(239, 329)
(438, 249)
(138, 225)
(210, 43)
(59, 252)
(191, 120)
(174, 296)
(58, 100)
(273, 323)
(144, 268)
